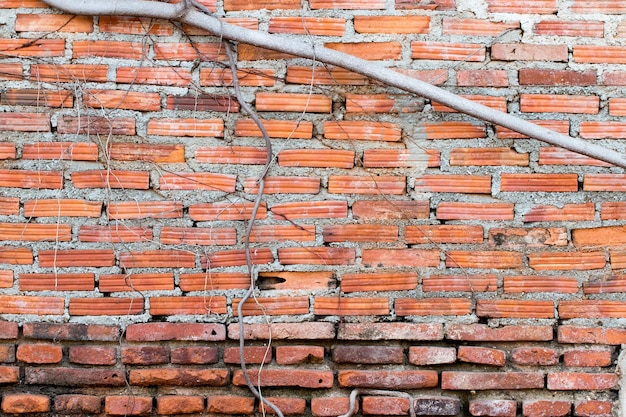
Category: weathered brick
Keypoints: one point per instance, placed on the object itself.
(433, 307)
(493, 408)
(302, 378)
(460, 282)
(7, 353)
(454, 380)
(9, 330)
(123, 405)
(592, 335)
(546, 408)
(587, 358)
(528, 52)
(145, 355)
(197, 355)
(534, 356)
(39, 353)
(180, 404)
(436, 406)
(390, 331)
(593, 408)
(368, 354)
(75, 377)
(77, 404)
(252, 355)
(581, 381)
(431, 355)
(288, 406)
(93, 355)
(372, 258)
(230, 404)
(330, 406)
(395, 380)
(296, 355)
(280, 331)
(25, 403)
(72, 332)
(9, 374)
(185, 377)
(386, 406)
(481, 355)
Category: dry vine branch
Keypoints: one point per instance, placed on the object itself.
(179, 12)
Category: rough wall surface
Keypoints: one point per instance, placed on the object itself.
(400, 245)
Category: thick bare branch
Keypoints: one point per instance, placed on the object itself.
(142, 8)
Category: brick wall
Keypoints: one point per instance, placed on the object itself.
(400, 245)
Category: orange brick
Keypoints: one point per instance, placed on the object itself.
(604, 182)
(15, 256)
(423, 235)
(362, 130)
(198, 235)
(277, 233)
(536, 103)
(180, 404)
(53, 23)
(331, 406)
(288, 280)
(401, 158)
(454, 130)
(109, 49)
(10, 206)
(617, 107)
(12, 71)
(39, 353)
(292, 102)
(476, 27)
(76, 257)
(111, 179)
(511, 333)
(322, 26)
(56, 282)
(612, 210)
(25, 403)
(593, 408)
(280, 185)
(236, 257)
(481, 355)
(534, 356)
(467, 184)
(316, 158)
(135, 282)
(591, 309)
(186, 127)
(474, 211)
(488, 157)
(197, 181)
(236, 210)
(147, 152)
(114, 234)
(31, 179)
(340, 306)
(360, 233)
(609, 7)
(288, 406)
(184, 377)
(527, 237)
(14, 304)
(595, 54)
(383, 103)
(37, 97)
(464, 283)
(549, 261)
(134, 26)
(466, 52)
(532, 284)
(386, 405)
(381, 281)
(25, 122)
(34, 232)
(433, 307)
(587, 358)
(174, 51)
(390, 209)
(561, 126)
(284, 129)
(230, 404)
(74, 151)
(433, 76)
(568, 212)
(483, 259)
(400, 257)
(6, 280)
(539, 182)
(338, 184)
(606, 285)
(601, 130)
(522, 6)
(169, 76)
(369, 50)
(144, 210)
(275, 306)
(300, 378)
(251, 77)
(247, 52)
(213, 281)
(348, 4)
(593, 29)
(515, 309)
(528, 52)
(317, 256)
(105, 306)
(496, 103)
(157, 259)
(323, 76)
(599, 237)
(69, 72)
(122, 405)
(230, 5)
(559, 156)
(41, 48)
(482, 78)
(7, 150)
(326, 209)
(121, 99)
(581, 381)
(232, 155)
(187, 305)
(391, 24)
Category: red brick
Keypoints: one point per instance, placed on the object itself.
(534, 76)
(39, 353)
(108, 49)
(169, 76)
(184, 377)
(382, 281)
(395, 380)
(72, 331)
(528, 52)
(10, 206)
(591, 309)
(360, 233)
(368, 354)
(527, 237)
(75, 377)
(484, 333)
(491, 380)
(200, 355)
(14, 304)
(466, 184)
(610, 7)
(442, 406)
(383, 103)
(587, 358)
(521, 6)
(198, 235)
(569, 28)
(25, 403)
(481, 355)
(515, 309)
(70, 73)
(433, 307)
(7, 353)
(292, 102)
(431, 355)
(123, 405)
(385, 185)
(281, 331)
(296, 355)
(33, 232)
(390, 331)
(252, 355)
(9, 374)
(135, 282)
(483, 259)
(330, 406)
(593, 408)
(592, 335)
(25, 122)
(231, 155)
(599, 237)
(487, 157)
(212, 280)
(301, 378)
(12, 71)
(6, 279)
(288, 406)
(237, 210)
(145, 355)
(77, 404)
(493, 408)
(386, 406)
(331, 306)
(93, 355)
(390, 210)
(121, 99)
(230, 404)
(203, 103)
(605, 285)
(595, 54)
(180, 404)
(401, 158)
(539, 182)
(602, 129)
(152, 332)
(568, 381)
(38, 98)
(561, 126)
(558, 156)
(258, 77)
(176, 51)
(482, 78)
(400, 257)
(534, 356)
(207, 181)
(114, 234)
